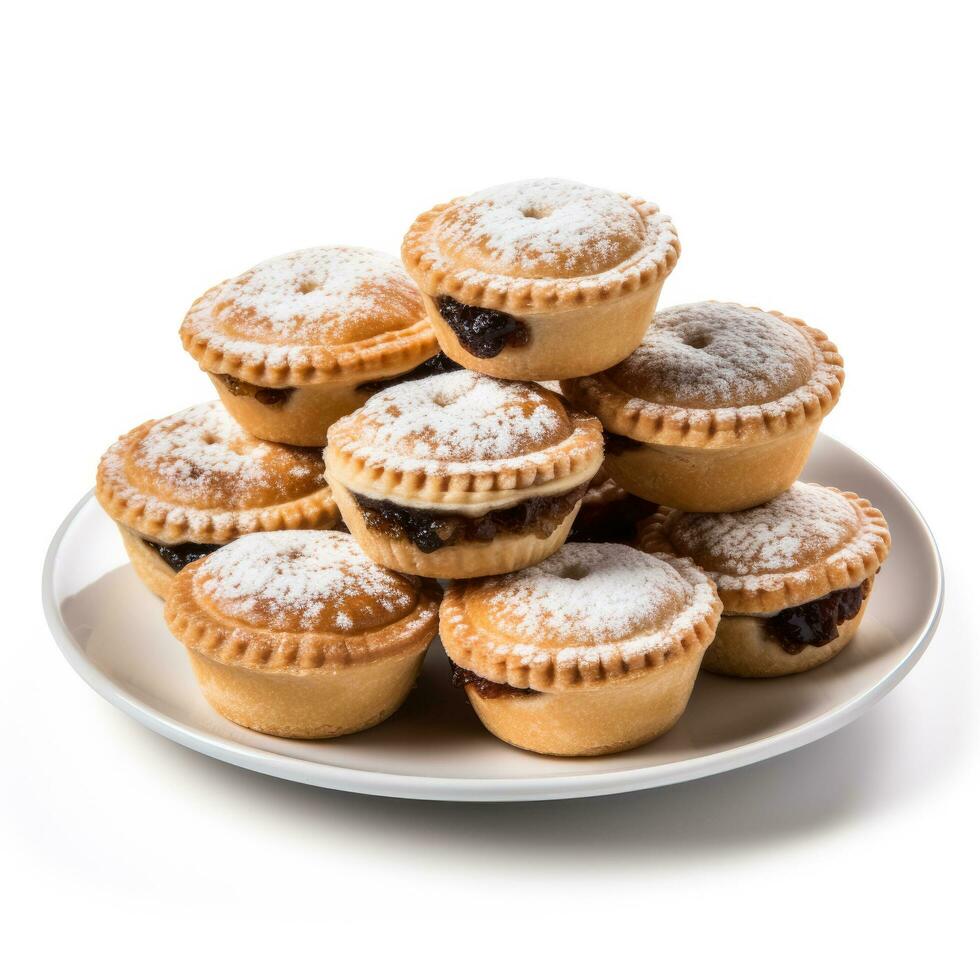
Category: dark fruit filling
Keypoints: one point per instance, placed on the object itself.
(430, 530)
(614, 522)
(486, 689)
(264, 396)
(616, 445)
(484, 333)
(438, 364)
(179, 556)
(814, 624)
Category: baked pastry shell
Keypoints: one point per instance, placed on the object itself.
(314, 704)
(717, 480)
(438, 275)
(620, 715)
(844, 569)
(742, 648)
(470, 559)
(565, 343)
(152, 570)
(717, 428)
(302, 420)
(151, 516)
(505, 661)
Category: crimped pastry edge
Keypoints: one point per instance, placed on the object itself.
(438, 274)
(209, 633)
(799, 586)
(153, 517)
(579, 453)
(389, 353)
(503, 661)
(716, 428)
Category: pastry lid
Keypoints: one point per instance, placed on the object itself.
(463, 438)
(309, 316)
(712, 375)
(803, 544)
(540, 245)
(299, 600)
(586, 615)
(199, 476)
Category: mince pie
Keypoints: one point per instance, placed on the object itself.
(460, 475)
(540, 279)
(300, 340)
(181, 487)
(592, 651)
(717, 409)
(795, 575)
(300, 634)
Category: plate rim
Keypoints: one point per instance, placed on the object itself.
(484, 789)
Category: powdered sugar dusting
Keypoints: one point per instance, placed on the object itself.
(459, 419)
(204, 451)
(310, 298)
(595, 603)
(716, 355)
(799, 527)
(544, 227)
(304, 580)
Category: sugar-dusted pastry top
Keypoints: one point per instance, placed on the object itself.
(198, 472)
(715, 373)
(302, 311)
(544, 227)
(299, 599)
(807, 541)
(303, 580)
(715, 355)
(495, 247)
(587, 613)
(465, 431)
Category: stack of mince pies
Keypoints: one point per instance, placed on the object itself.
(499, 439)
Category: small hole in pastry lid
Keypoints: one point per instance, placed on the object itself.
(698, 341)
(575, 572)
(536, 211)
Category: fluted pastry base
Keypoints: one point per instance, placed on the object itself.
(712, 480)
(565, 344)
(302, 420)
(317, 703)
(612, 717)
(742, 648)
(153, 571)
(471, 559)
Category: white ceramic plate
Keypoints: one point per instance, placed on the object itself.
(111, 630)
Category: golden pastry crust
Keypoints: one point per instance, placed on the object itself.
(320, 315)
(198, 476)
(463, 440)
(470, 559)
(299, 601)
(742, 648)
(800, 546)
(540, 246)
(586, 616)
(716, 376)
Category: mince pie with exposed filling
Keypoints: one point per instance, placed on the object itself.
(300, 340)
(183, 486)
(540, 279)
(795, 575)
(460, 475)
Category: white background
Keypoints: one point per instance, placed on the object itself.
(818, 160)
